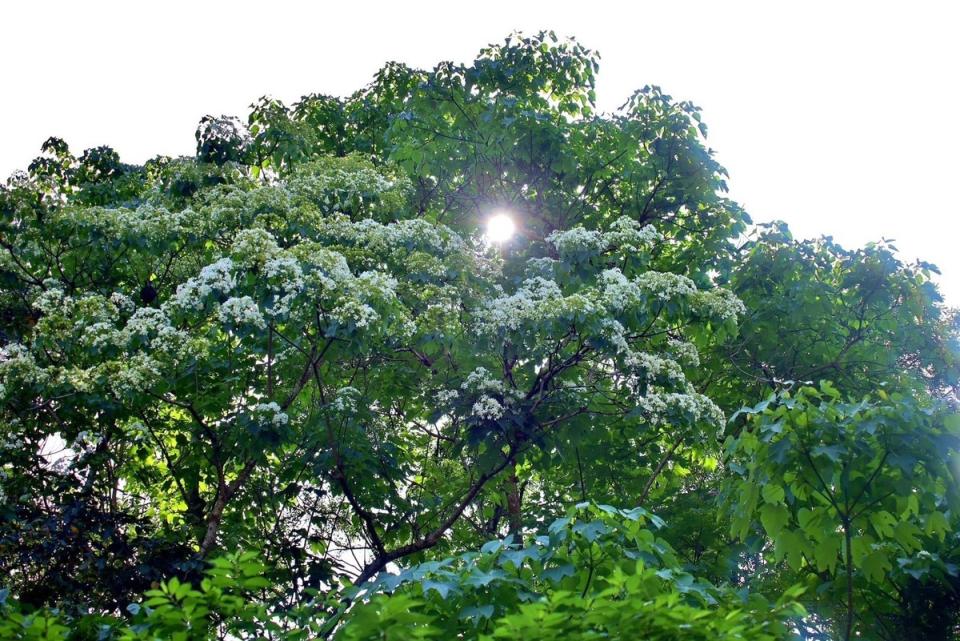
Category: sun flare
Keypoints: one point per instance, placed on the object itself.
(500, 228)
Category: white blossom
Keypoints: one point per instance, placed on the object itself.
(345, 400)
(690, 407)
(146, 321)
(684, 352)
(52, 299)
(285, 276)
(253, 247)
(122, 302)
(270, 413)
(664, 285)
(139, 372)
(544, 267)
(353, 311)
(480, 380)
(624, 234)
(655, 367)
(327, 269)
(618, 291)
(447, 396)
(487, 408)
(374, 283)
(528, 303)
(629, 236)
(616, 333)
(18, 364)
(216, 278)
(101, 335)
(578, 243)
(720, 303)
(241, 311)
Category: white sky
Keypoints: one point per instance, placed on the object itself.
(836, 117)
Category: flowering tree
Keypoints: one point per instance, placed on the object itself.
(299, 343)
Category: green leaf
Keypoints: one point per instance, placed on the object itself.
(590, 530)
(827, 553)
(773, 493)
(774, 518)
(860, 547)
(883, 523)
(476, 612)
(491, 547)
(937, 525)
(791, 546)
(833, 452)
(876, 565)
(442, 588)
(907, 534)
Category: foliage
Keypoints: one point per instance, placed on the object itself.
(300, 343)
(596, 571)
(857, 495)
(859, 318)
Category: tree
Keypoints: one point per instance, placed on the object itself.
(255, 384)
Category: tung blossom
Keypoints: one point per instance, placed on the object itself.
(270, 413)
(487, 408)
(241, 311)
(254, 247)
(216, 278)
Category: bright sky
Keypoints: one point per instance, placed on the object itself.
(834, 116)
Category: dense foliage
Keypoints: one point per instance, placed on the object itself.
(287, 389)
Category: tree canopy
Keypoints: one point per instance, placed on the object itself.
(287, 389)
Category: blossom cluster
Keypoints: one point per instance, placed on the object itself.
(625, 235)
(686, 407)
(447, 396)
(309, 271)
(216, 278)
(684, 352)
(651, 366)
(139, 372)
(631, 236)
(480, 380)
(146, 223)
(721, 304)
(492, 398)
(578, 243)
(326, 270)
(487, 408)
(403, 236)
(357, 305)
(18, 366)
(355, 313)
(665, 286)
(530, 302)
(345, 400)
(269, 414)
(350, 183)
(152, 326)
(241, 311)
(253, 247)
(285, 277)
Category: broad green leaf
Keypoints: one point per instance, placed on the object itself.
(774, 518)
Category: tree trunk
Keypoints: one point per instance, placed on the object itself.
(513, 502)
(224, 493)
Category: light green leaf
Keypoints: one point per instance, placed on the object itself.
(774, 518)
(773, 493)
(876, 565)
(827, 552)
